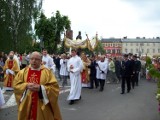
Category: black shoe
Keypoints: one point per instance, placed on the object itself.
(101, 89)
(122, 92)
(128, 91)
(91, 88)
(97, 86)
(71, 102)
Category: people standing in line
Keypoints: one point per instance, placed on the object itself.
(93, 80)
(28, 58)
(75, 67)
(24, 61)
(1, 69)
(117, 68)
(19, 56)
(132, 66)
(57, 63)
(98, 59)
(111, 75)
(2, 101)
(48, 61)
(15, 57)
(10, 69)
(4, 56)
(63, 69)
(126, 74)
(137, 69)
(36, 92)
(102, 66)
(86, 71)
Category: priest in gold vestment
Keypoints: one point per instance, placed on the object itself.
(86, 71)
(10, 68)
(36, 91)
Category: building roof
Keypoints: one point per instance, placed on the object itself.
(141, 40)
(103, 40)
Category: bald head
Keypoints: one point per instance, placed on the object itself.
(37, 54)
(35, 59)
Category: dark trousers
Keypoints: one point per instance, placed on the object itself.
(136, 78)
(94, 82)
(133, 81)
(102, 82)
(126, 80)
(64, 80)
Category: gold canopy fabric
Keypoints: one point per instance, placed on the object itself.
(75, 43)
(90, 44)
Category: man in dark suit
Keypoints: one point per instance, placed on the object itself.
(130, 57)
(137, 69)
(117, 68)
(93, 80)
(126, 74)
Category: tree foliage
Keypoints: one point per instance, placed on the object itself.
(16, 19)
(99, 48)
(49, 30)
(156, 74)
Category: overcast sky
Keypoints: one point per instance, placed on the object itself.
(110, 18)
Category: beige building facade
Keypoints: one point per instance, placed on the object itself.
(141, 46)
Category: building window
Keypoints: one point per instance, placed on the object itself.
(153, 44)
(126, 44)
(141, 44)
(158, 50)
(131, 44)
(126, 51)
(153, 50)
(118, 51)
(113, 44)
(147, 50)
(137, 50)
(113, 51)
(142, 50)
(136, 44)
(108, 51)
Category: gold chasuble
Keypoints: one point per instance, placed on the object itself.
(8, 78)
(30, 105)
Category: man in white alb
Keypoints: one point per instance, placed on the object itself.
(102, 67)
(48, 61)
(63, 69)
(75, 67)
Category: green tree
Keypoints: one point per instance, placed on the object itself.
(99, 48)
(17, 17)
(50, 29)
(155, 74)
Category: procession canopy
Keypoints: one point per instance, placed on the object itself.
(79, 43)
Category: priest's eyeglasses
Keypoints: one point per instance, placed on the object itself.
(36, 59)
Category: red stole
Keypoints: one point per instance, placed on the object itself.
(83, 76)
(10, 76)
(33, 77)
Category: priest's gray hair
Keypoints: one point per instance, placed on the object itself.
(37, 53)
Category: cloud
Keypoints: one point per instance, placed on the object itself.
(110, 18)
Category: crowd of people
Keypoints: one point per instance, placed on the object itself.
(34, 76)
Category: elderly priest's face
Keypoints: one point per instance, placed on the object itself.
(35, 60)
